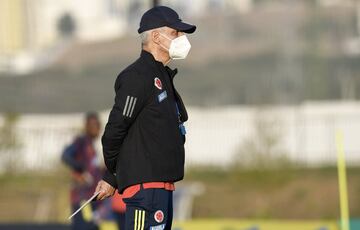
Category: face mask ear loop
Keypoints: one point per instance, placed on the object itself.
(168, 62)
(165, 36)
(164, 46)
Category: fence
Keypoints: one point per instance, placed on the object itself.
(304, 134)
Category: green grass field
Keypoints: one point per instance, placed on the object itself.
(289, 194)
(230, 224)
(275, 194)
(256, 224)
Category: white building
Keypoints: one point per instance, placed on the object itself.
(30, 28)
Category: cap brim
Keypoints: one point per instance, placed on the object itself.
(183, 27)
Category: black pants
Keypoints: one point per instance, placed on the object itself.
(149, 209)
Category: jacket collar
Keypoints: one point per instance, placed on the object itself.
(149, 58)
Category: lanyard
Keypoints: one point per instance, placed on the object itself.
(181, 124)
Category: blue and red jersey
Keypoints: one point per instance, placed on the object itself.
(81, 157)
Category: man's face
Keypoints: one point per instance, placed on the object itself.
(92, 127)
(164, 36)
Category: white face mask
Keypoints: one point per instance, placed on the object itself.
(179, 47)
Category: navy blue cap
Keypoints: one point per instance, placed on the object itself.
(160, 16)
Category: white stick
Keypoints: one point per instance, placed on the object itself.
(82, 206)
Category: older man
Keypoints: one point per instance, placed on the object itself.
(143, 142)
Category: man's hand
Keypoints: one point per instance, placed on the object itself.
(106, 190)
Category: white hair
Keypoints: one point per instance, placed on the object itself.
(145, 36)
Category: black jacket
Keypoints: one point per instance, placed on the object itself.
(142, 141)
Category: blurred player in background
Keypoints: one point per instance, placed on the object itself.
(118, 207)
(81, 158)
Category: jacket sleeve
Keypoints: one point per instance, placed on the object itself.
(110, 178)
(129, 100)
(68, 157)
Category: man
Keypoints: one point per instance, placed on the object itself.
(82, 159)
(143, 142)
